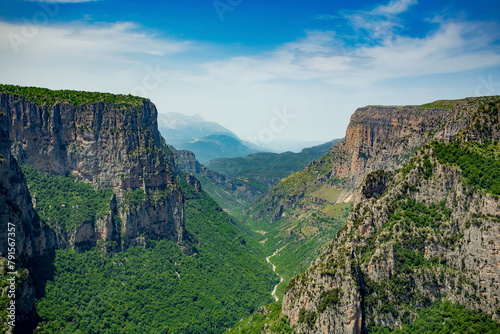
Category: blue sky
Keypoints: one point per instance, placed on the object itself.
(268, 70)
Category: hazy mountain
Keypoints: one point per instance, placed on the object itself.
(207, 140)
(178, 128)
(216, 146)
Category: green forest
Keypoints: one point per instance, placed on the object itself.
(445, 318)
(480, 163)
(268, 316)
(65, 203)
(47, 97)
(157, 288)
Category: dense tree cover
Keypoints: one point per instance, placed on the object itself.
(444, 104)
(47, 97)
(65, 203)
(268, 317)
(329, 298)
(134, 198)
(445, 318)
(260, 167)
(158, 288)
(410, 225)
(480, 163)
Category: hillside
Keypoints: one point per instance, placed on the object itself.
(105, 220)
(238, 182)
(423, 233)
(266, 169)
(216, 146)
(420, 244)
(306, 209)
(230, 193)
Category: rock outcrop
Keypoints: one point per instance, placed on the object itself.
(227, 191)
(111, 145)
(381, 137)
(20, 227)
(377, 138)
(413, 237)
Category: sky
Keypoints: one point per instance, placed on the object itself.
(270, 71)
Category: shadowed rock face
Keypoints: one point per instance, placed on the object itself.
(111, 146)
(31, 237)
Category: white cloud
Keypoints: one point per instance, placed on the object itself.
(326, 17)
(394, 7)
(81, 40)
(319, 78)
(455, 47)
(362, 19)
(379, 23)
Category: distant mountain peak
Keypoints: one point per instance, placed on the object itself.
(176, 119)
(207, 140)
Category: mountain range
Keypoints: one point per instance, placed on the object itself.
(235, 183)
(393, 229)
(207, 140)
(210, 140)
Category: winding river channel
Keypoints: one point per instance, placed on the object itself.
(274, 269)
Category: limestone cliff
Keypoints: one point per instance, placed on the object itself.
(308, 207)
(381, 137)
(31, 236)
(109, 141)
(426, 232)
(377, 137)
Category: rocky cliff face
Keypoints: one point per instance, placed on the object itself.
(228, 192)
(381, 137)
(111, 145)
(377, 137)
(31, 237)
(414, 237)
